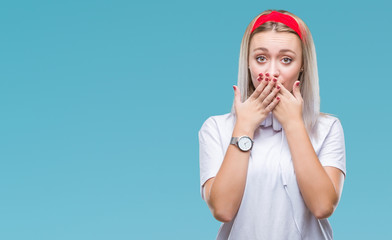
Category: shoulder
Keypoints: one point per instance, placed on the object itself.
(219, 121)
(330, 145)
(327, 126)
(326, 121)
(218, 125)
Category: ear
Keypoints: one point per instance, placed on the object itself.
(300, 73)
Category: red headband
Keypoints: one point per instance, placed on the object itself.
(275, 16)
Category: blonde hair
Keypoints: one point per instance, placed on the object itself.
(309, 77)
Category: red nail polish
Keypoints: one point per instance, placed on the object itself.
(234, 88)
(267, 74)
(297, 84)
(278, 87)
(258, 79)
(260, 74)
(275, 79)
(266, 79)
(277, 98)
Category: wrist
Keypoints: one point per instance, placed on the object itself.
(241, 129)
(293, 125)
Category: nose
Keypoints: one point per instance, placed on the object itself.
(273, 70)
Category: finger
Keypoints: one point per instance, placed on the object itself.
(283, 89)
(296, 90)
(260, 88)
(273, 104)
(271, 97)
(237, 95)
(285, 92)
(267, 90)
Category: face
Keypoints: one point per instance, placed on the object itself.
(276, 53)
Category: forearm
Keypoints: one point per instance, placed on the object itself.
(315, 185)
(228, 187)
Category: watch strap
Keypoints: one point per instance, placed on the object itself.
(234, 140)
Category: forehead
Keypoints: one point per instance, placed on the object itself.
(275, 41)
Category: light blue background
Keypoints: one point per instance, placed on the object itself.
(101, 102)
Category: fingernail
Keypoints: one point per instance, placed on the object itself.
(297, 84)
(258, 79)
(267, 74)
(266, 79)
(234, 88)
(278, 87)
(275, 79)
(260, 74)
(277, 98)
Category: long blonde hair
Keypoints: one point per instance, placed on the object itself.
(309, 78)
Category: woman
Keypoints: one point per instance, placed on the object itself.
(274, 167)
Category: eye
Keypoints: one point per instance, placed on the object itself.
(287, 60)
(261, 59)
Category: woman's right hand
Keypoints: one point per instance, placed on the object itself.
(256, 108)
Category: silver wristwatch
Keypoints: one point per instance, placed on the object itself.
(244, 143)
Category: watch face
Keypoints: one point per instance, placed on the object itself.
(245, 144)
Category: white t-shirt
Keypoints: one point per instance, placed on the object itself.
(272, 206)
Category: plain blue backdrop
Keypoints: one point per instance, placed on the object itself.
(101, 103)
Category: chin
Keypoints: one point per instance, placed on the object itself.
(289, 88)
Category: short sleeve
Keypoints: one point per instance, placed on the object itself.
(333, 151)
(210, 151)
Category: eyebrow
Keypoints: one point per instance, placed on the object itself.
(266, 50)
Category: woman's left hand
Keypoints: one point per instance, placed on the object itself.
(289, 108)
